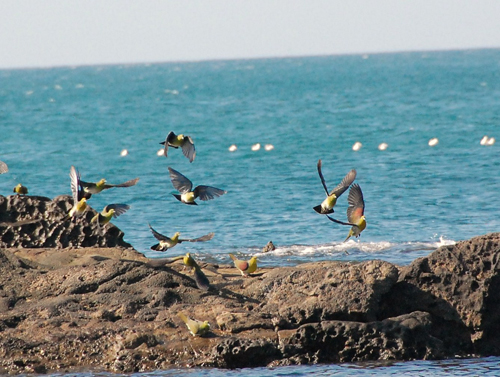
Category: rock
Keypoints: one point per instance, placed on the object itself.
(36, 221)
(111, 308)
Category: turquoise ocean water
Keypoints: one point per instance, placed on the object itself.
(417, 196)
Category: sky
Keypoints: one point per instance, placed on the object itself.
(45, 33)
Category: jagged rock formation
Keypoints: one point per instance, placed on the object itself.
(37, 221)
(113, 309)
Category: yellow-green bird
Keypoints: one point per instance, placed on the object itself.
(90, 188)
(108, 212)
(195, 327)
(185, 187)
(200, 278)
(20, 189)
(331, 197)
(176, 141)
(355, 212)
(245, 267)
(3, 167)
(167, 242)
(79, 203)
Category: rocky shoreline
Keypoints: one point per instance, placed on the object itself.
(73, 298)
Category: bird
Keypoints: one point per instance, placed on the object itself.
(90, 188)
(200, 278)
(331, 198)
(108, 212)
(245, 267)
(195, 327)
(185, 187)
(20, 189)
(79, 203)
(355, 212)
(167, 242)
(269, 247)
(176, 141)
(3, 167)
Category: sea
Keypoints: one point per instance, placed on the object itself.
(420, 129)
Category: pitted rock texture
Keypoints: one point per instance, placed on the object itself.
(37, 221)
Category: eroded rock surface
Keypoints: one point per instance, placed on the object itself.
(113, 309)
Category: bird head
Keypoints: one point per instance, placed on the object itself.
(180, 137)
(111, 212)
(101, 182)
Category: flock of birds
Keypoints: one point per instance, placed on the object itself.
(82, 192)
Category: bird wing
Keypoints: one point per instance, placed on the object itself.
(356, 207)
(132, 182)
(120, 209)
(344, 185)
(206, 237)
(3, 167)
(170, 137)
(158, 236)
(188, 148)
(208, 192)
(321, 176)
(75, 183)
(338, 221)
(180, 183)
(201, 279)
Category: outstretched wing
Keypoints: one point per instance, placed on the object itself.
(132, 182)
(188, 148)
(120, 209)
(338, 221)
(180, 183)
(75, 183)
(321, 176)
(206, 237)
(208, 192)
(3, 167)
(344, 185)
(356, 207)
(158, 236)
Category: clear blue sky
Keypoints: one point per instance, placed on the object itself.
(41, 33)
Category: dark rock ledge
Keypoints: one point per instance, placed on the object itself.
(73, 299)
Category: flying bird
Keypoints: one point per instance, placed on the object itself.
(176, 141)
(245, 267)
(90, 188)
(355, 212)
(3, 167)
(79, 202)
(167, 242)
(108, 212)
(195, 327)
(331, 197)
(20, 189)
(185, 187)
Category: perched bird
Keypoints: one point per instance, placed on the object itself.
(90, 188)
(185, 187)
(269, 247)
(355, 212)
(195, 327)
(20, 189)
(245, 267)
(110, 211)
(3, 167)
(79, 203)
(176, 141)
(331, 198)
(200, 278)
(167, 242)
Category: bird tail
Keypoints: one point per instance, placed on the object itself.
(157, 247)
(322, 211)
(182, 316)
(201, 279)
(232, 257)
